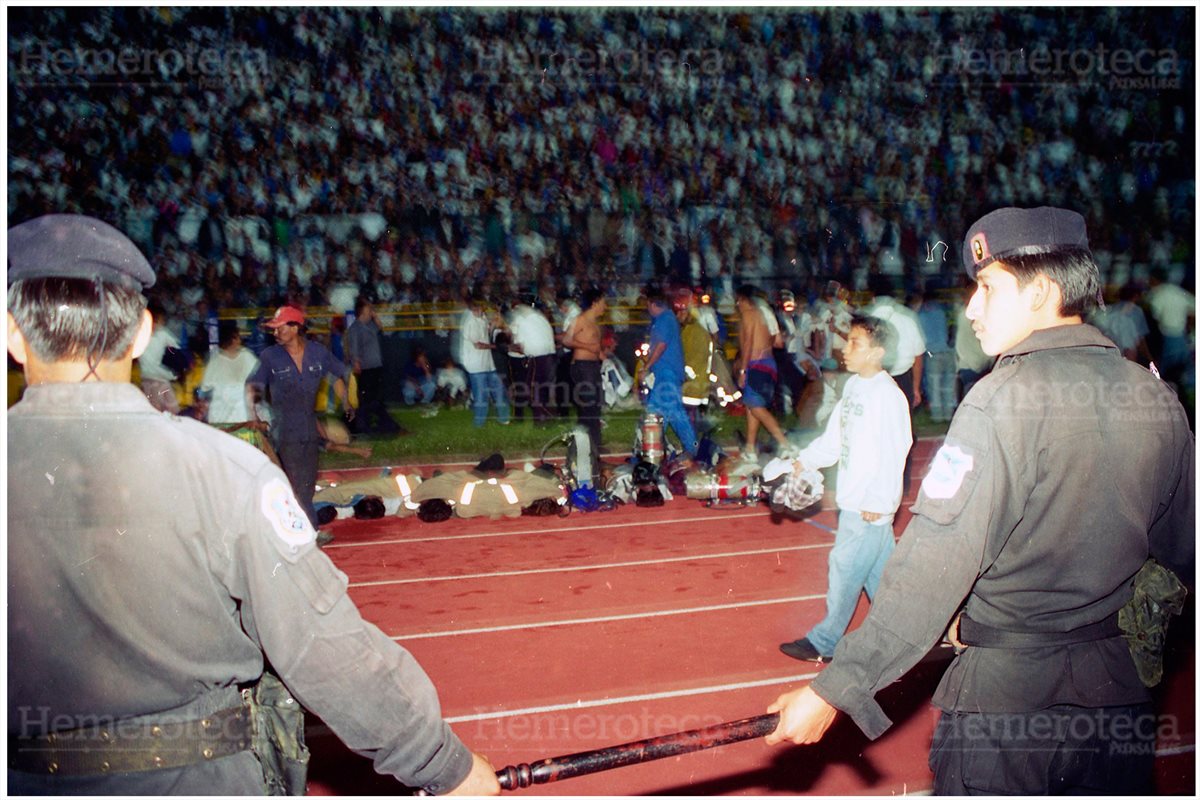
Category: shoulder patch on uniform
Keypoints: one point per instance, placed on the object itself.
(947, 472)
(287, 518)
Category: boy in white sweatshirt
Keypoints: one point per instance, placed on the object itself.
(868, 437)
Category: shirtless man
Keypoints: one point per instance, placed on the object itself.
(583, 339)
(757, 372)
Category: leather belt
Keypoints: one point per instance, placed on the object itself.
(133, 746)
(976, 634)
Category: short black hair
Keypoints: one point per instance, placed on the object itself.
(1129, 291)
(226, 330)
(881, 285)
(589, 298)
(72, 319)
(879, 331)
(1072, 269)
(746, 290)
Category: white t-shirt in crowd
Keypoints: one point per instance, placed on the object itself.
(451, 378)
(150, 362)
(532, 331)
(226, 378)
(474, 328)
(1171, 306)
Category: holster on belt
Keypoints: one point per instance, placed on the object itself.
(278, 735)
(1158, 595)
(133, 745)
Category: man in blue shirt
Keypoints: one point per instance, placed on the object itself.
(291, 371)
(940, 364)
(664, 366)
(365, 356)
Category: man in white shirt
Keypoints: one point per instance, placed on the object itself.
(1174, 311)
(452, 382)
(566, 312)
(905, 361)
(225, 377)
(476, 358)
(531, 357)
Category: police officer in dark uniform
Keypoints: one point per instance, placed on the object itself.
(1061, 472)
(155, 562)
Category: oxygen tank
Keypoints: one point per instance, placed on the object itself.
(579, 456)
(717, 487)
(651, 431)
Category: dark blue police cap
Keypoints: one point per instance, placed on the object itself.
(75, 246)
(1010, 231)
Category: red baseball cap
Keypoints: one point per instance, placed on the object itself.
(284, 315)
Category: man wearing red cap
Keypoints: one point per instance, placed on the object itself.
(1061, 472)
(291, 371)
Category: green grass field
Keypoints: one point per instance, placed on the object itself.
(451, 436)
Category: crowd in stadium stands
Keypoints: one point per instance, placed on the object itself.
(262, 156)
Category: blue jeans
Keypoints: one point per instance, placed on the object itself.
(939, 385)
(1176, 360)
(855, 563)
(485, 385)
(666, 398)
(427, 388)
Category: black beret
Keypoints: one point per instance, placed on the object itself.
(74, 246)
(1007, 231)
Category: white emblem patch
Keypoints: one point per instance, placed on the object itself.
(286, 516)
(950, 466)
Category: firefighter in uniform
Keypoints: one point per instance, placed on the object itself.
(1061, 472)
(697, 355)
(155, 563)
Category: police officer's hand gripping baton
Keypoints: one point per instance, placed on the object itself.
(560, 768)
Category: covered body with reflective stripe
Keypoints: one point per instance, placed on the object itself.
(478, 495)
(395, 490)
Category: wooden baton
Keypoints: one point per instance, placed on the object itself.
(623, 755)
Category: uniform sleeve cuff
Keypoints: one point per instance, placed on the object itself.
(450, 767)
(838, 690)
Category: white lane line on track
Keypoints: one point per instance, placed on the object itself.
(633, 698)
(571, 529)
(586, 567)
(611, 618)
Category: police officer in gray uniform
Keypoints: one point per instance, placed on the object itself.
(1062, 470)
(155, 563)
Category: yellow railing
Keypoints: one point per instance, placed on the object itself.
(418, 317)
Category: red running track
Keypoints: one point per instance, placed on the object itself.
(548, 636)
